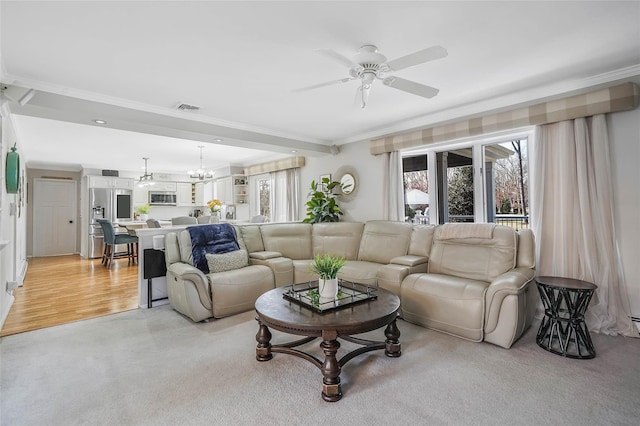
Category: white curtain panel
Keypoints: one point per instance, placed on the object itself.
(285, 191)
(392, 188)
(574, 222)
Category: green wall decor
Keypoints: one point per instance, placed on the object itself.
(12, 171)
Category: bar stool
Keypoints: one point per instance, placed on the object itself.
(111, 240)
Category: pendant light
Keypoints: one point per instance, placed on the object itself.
(147, 178)
(200, 173)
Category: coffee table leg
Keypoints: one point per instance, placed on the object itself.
(263, 337)
(392, 348)
(331, 390)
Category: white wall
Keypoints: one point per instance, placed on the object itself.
(624, 131)
(13, 256)
(367, 201)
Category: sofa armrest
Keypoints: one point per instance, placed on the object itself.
(390, 276)
(187, 272)
(514, 282)
(264, 255)
(281, 268)
(409, 260)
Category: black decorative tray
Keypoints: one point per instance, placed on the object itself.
(349, 294)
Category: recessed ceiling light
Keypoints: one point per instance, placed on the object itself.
(99, 121)
(294, 151)
(217, 140)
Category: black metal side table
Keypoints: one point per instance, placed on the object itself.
(563, 330)
(154, 266)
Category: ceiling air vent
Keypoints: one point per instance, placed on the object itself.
(187, 107)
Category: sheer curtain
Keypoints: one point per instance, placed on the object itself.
(285, 198)
(392, 189)
(573, 215)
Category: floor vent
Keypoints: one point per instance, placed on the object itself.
(187, 107)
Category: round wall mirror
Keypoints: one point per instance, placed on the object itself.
(348, 183)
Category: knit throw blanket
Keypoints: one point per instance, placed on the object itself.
(467, 230)
(213, 238)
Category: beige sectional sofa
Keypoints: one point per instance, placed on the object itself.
(477, 288)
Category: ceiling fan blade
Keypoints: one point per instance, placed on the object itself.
(338, 58)
(410, 87)
(419, 57)
(328, 83)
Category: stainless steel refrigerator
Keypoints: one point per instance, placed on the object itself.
(113, 204)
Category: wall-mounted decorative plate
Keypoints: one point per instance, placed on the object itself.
(348, 177)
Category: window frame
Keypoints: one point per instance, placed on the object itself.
(477, 144)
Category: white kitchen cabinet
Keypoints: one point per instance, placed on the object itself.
(223, 190)
(140, 195)
(184, 194)
(204, 192)
(164, 187)
(110, 182)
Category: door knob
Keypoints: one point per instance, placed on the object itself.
(70, 221)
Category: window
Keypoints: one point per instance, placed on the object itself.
(275, 195)
(416, 189)
(262, 189)
(474, 181)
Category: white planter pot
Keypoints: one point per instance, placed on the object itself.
(328, 289)
(143, 217)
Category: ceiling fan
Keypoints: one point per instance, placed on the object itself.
(368, 65)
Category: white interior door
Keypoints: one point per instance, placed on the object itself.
(54, 217)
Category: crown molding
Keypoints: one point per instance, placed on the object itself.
(516, 99)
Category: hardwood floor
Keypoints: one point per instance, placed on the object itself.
(63, 289)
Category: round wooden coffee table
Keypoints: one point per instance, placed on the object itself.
(279, 314)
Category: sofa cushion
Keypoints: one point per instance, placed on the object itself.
(213, 238)
(293, 240)
(383, 240)
(252, 237)
(227, 261)
(360, 272)
(421, 239)
(446, 303)
(338, 239)
(184, 240)
(480, 259)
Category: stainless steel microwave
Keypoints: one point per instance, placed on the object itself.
(162, 198)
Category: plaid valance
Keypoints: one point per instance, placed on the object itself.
(274, 166)
(617, 98)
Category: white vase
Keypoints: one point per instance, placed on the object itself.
(328, 289)
(143, 217)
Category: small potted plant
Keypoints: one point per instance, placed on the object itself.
(143, 211)
(327, 267)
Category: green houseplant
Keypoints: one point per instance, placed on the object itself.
(327, 267)
(322, 206)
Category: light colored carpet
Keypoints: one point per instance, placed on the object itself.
(155, 367)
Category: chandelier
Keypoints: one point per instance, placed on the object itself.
(147, 178)
(201, 173)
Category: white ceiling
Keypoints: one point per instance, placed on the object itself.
(131, 63)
